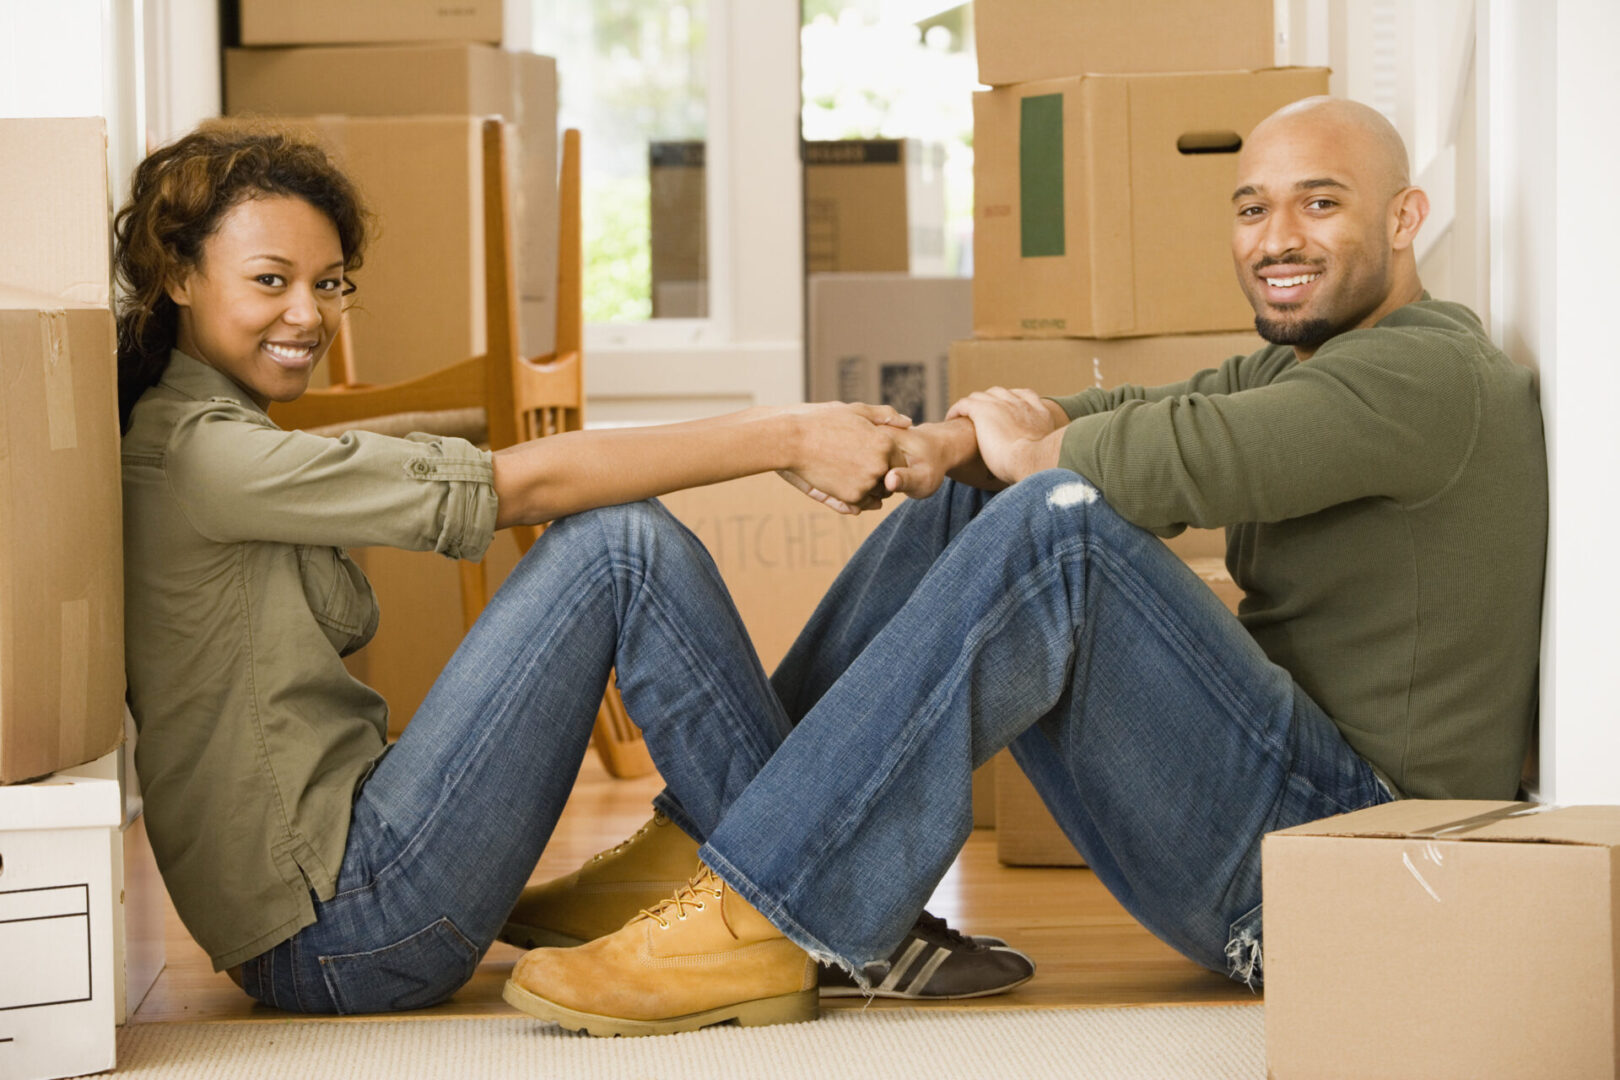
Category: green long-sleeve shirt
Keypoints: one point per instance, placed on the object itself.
(1385, 506)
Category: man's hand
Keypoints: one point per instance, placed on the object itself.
(934, 451)
(842, 452)
(1018, 431)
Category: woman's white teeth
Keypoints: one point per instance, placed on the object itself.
(1290, 282)
(289, 352)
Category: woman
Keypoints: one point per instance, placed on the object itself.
(324, 873)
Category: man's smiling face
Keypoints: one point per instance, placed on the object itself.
(1316, 226)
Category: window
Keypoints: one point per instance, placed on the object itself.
(633, 75)
(898, 69)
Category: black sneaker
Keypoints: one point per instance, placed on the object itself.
(936, 963)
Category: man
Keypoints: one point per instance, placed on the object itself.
(1381, 475)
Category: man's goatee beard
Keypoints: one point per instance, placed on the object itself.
(1307, 332)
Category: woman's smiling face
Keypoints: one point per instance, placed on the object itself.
(266, 297)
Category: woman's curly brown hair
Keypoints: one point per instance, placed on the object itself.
(177, 198)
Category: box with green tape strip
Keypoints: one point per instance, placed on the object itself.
(1102, 202)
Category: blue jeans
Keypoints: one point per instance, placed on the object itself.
(449, 825)
(1163, 740)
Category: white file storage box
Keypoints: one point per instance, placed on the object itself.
(58, 898)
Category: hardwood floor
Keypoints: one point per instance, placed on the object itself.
(1088, 951)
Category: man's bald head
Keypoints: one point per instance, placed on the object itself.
(1324, 220)
(1375, 141)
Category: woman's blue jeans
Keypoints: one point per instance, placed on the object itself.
(449, 826)
(835, 795)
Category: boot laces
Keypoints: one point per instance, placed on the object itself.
(627, 841)
(705, 884)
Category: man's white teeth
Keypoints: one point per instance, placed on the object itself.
(288, 352)
(1290, 282)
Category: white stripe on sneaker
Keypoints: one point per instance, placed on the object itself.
(906, 960)
(914, 986)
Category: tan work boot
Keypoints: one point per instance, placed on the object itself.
(606, 892)
(703, 956)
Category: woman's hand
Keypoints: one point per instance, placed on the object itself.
(842, 452)
(1018, 431)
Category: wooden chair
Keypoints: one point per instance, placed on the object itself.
(499, 395)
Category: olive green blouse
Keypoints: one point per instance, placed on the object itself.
(240, 603)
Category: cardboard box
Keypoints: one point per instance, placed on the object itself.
(870, 205)
(680, 229)
(777, 550)
(1102, 203)
(1444, 939)
(874, 204)
(55, 208)
(58, 903)
(1058, 366)
(884, 339)
(61, 532)
(433, 80)
(1026, 834)
(1025, 40)
(336, 22)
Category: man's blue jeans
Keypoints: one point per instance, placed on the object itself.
(1161, 737)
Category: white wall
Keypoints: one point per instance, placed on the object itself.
(149, 67)
(181, 42)
(1554, 223)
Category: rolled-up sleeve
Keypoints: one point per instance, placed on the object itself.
(238, 477)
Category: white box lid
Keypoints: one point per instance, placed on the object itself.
(84, 796)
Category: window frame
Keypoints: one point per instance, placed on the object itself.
(750, 347)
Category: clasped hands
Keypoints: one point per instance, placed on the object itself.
(854, 456)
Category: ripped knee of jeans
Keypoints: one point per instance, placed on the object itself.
(1071, 493)
(1244, 952)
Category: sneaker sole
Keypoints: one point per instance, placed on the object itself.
(788, 1009)
(855, 991)
(537, 937)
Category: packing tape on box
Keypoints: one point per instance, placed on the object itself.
(75, 703)
(1427, 862)
(60, 415)
(1479, 821)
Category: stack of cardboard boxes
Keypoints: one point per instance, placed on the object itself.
(67, 798)
(881, 312)
(398, 92)
(870, 206)
(398, 96)
(1104, 163)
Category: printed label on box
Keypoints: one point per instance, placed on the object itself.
(53, 922)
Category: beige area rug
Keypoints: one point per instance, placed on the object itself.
(1155, 1043)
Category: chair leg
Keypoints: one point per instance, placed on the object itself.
(474, 592)
(617, 739)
